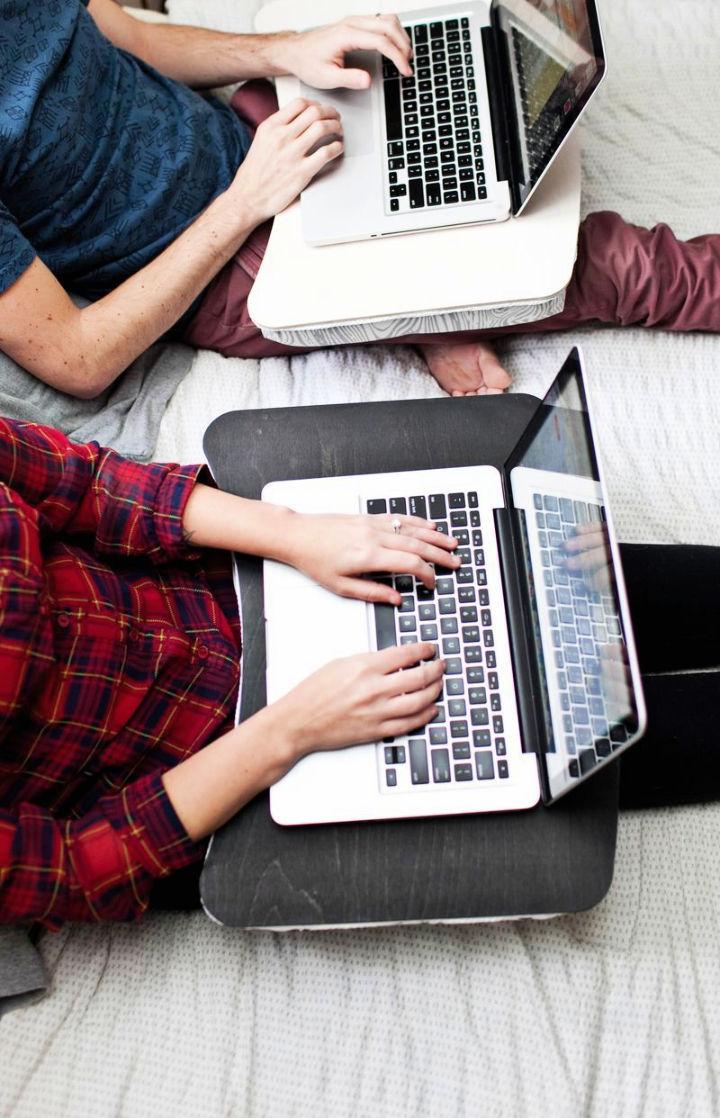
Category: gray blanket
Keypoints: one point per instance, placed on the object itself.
(126, 416)
(22, 975)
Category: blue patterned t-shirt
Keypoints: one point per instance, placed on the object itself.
(103, 161)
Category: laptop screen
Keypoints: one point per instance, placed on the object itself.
(581, 642)
(553, 61)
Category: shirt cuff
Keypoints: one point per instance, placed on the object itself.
(152, 827)
(172, 497)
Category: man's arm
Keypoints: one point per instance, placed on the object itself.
(82, 351)
(204, 59)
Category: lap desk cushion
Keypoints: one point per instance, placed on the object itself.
(466, 277)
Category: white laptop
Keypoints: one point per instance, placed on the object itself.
(542, 686)
(496, 90)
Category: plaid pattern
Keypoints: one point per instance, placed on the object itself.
(119, 657)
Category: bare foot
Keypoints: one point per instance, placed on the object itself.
(466, 368)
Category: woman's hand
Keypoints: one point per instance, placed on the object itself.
(317, 57)
(362, 698)
(284, 157)
(336, 550)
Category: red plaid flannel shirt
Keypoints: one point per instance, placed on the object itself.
(119, 657)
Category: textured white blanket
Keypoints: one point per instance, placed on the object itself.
(609, 1014)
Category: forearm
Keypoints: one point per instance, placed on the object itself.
(221, 520)
(214, 784)
(112, 332)
(205, 59)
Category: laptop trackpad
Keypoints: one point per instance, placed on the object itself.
(354, 106)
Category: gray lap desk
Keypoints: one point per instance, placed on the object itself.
(463, 868)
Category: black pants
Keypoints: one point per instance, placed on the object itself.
(674, 594)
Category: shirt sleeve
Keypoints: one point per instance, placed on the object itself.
(97, 868)
(16, 252)
(131, 509)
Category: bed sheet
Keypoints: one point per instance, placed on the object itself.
(604, 1014)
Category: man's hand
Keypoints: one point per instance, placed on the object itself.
(284, 156)
(317, 57)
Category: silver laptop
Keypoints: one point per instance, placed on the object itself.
(496, 90)
(542, 686)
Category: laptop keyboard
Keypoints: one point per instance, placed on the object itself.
(434, 148)
(583, 620)
(465, 742)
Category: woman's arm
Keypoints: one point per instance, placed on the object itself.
(356, 699)
(204, 59)
(335, 550)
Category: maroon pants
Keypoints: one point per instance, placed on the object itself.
(624, 275)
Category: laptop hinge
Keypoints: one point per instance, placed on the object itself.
(502, 107)
(527, 684)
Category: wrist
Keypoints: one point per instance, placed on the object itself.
(283, 739)
(280, 53)
(232, 218)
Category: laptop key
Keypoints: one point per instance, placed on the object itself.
(453, 687)
(432, 193)
(398, 191)
(440, 766)
(503, 771)
(438, 735)
(444, 586)
(461, 750)
(419, 773)
(428, 632)
(407, 624)
(393, 118)
(463, 772)
(385, 626)
(484, 765)
(417, 194)
(467, 192)
(481, 739)
(451, 198)
(453, 666)
(391, 778)
(500, 747)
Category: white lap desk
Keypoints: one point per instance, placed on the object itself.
(463, 278)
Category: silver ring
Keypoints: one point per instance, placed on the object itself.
(396, 525)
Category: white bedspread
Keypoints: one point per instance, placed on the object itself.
(609, 1013)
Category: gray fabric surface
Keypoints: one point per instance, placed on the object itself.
(22, 975)
(127, 416)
